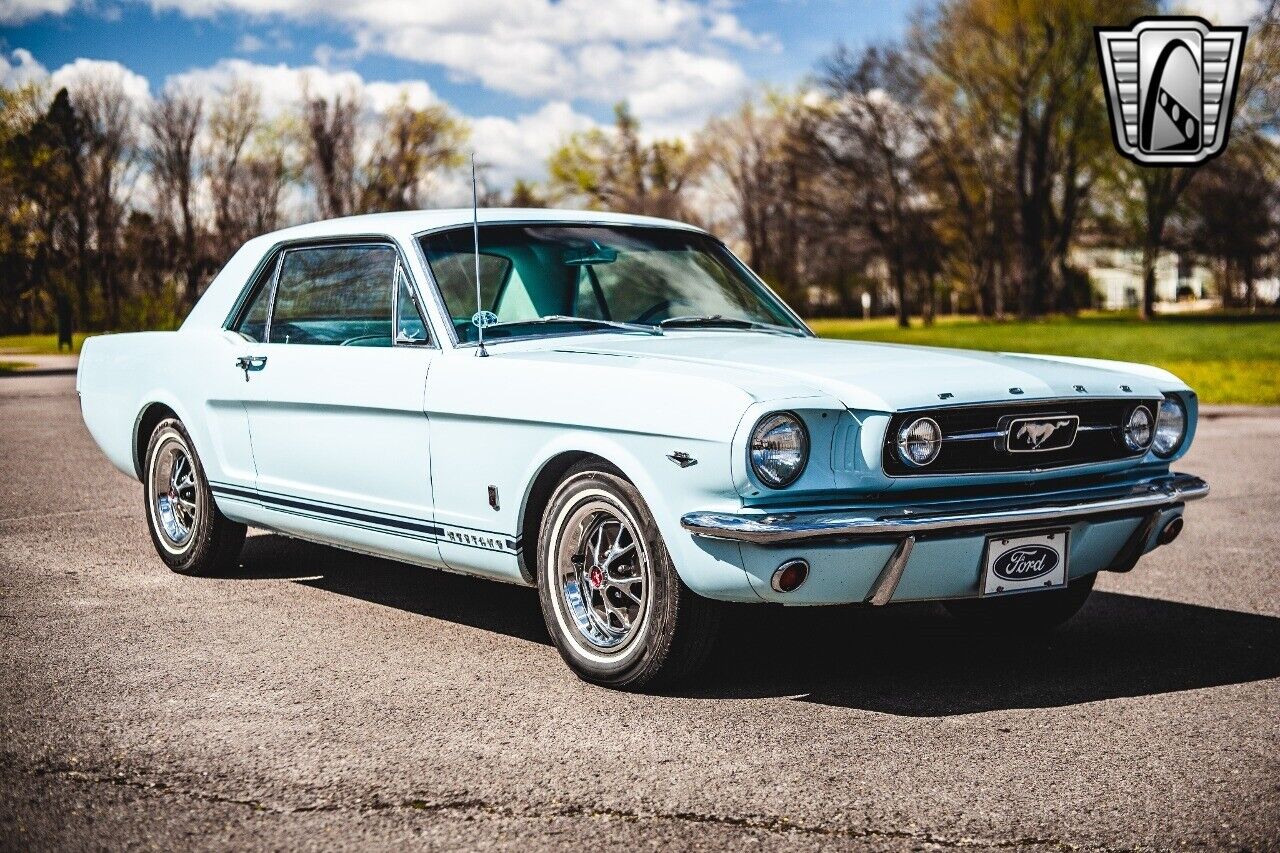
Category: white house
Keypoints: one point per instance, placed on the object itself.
(1116, 276)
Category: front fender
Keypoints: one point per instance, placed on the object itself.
(712, 569)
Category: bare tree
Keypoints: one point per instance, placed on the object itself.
(1161, 189)
(331, 140)
(869, 142)
(751, 163)
(174, 122)
(1235, 214)
(108, 117)
(233, 119)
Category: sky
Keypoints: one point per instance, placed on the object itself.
(524, 73)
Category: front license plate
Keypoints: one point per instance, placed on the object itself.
(1025, 563)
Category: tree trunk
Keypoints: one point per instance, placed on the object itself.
(1150, 255)
(899, 275)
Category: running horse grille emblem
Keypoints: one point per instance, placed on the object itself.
(1042, 433)
(1170, 86)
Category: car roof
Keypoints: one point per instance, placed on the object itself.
(407, 223)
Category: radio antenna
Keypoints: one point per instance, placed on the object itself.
(479, 319)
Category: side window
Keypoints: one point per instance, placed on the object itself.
(410, 327)
(335, 296)
(253, 318)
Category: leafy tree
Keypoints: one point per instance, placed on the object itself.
(616, 170)
(1027, 72)
(410, 145)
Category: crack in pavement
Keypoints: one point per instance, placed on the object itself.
(775, 825)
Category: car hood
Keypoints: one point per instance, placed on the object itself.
(871, 376)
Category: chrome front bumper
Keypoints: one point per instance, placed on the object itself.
(783, 528)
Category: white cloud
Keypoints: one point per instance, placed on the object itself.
(511, 148)
(20, 68)
(519, 147)
(673, 59)
(20, 11)
(282, 86)
(249, 43)
(82, 71)
(1223, 12)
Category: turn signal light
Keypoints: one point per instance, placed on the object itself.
(789, 576)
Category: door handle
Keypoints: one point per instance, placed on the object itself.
(249, 363)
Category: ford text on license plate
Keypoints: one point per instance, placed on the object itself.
(1024, 563)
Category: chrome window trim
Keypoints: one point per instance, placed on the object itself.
(417, 236)
(283, 247)
(236, 316)
(402, 274)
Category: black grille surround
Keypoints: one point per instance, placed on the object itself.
(970, 444)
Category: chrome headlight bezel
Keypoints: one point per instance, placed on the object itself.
(1133, 423)
(758, 447)
(1173, 407)
(904, 438)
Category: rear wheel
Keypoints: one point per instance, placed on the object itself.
(1029, 612)
(613, 603)
(189, 532)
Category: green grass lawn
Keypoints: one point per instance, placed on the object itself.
(1225, 360)
(36, 344)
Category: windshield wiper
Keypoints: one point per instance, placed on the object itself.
(716, 321)
(585, 321)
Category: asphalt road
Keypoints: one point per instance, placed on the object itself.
(323, 699)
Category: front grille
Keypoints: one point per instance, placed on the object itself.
(970, 444)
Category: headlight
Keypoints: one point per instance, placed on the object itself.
(1171, 426)
(919, 442)
(779, 449)
(1137, 431)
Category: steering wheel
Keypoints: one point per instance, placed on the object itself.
(364, 341)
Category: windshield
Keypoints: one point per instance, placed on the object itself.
(558, 279)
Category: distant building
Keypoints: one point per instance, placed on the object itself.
(1116, 276)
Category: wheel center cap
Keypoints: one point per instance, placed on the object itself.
(595, 577)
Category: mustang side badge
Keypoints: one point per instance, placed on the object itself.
(1170, 85)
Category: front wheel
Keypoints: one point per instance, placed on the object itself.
(190, 534)
(1023, 613)
(615, 607)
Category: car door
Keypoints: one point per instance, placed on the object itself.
(340, 437)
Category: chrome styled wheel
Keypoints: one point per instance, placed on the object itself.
(190, 533)
(612, 601)
(175, 498)
(602, 570)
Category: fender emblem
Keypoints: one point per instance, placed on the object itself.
(684, 460)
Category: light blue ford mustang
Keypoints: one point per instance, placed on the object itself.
(645, 430)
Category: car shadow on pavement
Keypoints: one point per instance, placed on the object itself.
(489, 605)
(915, 660)
(909, 659)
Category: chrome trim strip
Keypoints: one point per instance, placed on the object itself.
(887, 581)
(781, 528)
(992, 435)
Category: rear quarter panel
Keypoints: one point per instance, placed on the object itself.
(121, 375)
